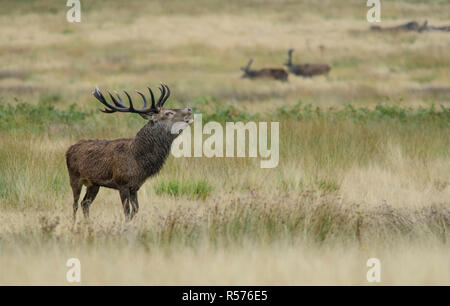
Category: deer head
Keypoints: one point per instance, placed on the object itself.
(178, 118)
(424, 26)
(246, 69)
(289, 61)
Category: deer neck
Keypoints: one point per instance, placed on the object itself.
(289, 62)
(151, 147)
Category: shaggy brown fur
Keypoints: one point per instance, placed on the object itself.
(124, 164)
(306, 70)
(271, 73)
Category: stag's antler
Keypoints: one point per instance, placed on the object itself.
(119, 105)
(246, 68)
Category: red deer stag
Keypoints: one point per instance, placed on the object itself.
(272, 73)
(306, 70)
(124, 164)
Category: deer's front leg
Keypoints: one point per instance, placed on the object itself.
(125, 197)
(134, 203)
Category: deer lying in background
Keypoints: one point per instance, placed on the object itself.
(306, 70)
(410, 26)
(433, 28)
(272, 73)
(124, 164)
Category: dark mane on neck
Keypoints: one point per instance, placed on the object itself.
(151, 147)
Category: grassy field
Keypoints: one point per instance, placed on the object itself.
(364, 167)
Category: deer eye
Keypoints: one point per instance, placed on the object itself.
(168, 113)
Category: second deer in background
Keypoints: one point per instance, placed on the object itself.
(306, 70)
(272, 73)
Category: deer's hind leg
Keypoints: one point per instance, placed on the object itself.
(134, 203)
(76, 185)
(89, 197)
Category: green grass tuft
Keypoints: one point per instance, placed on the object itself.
(196, 190)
